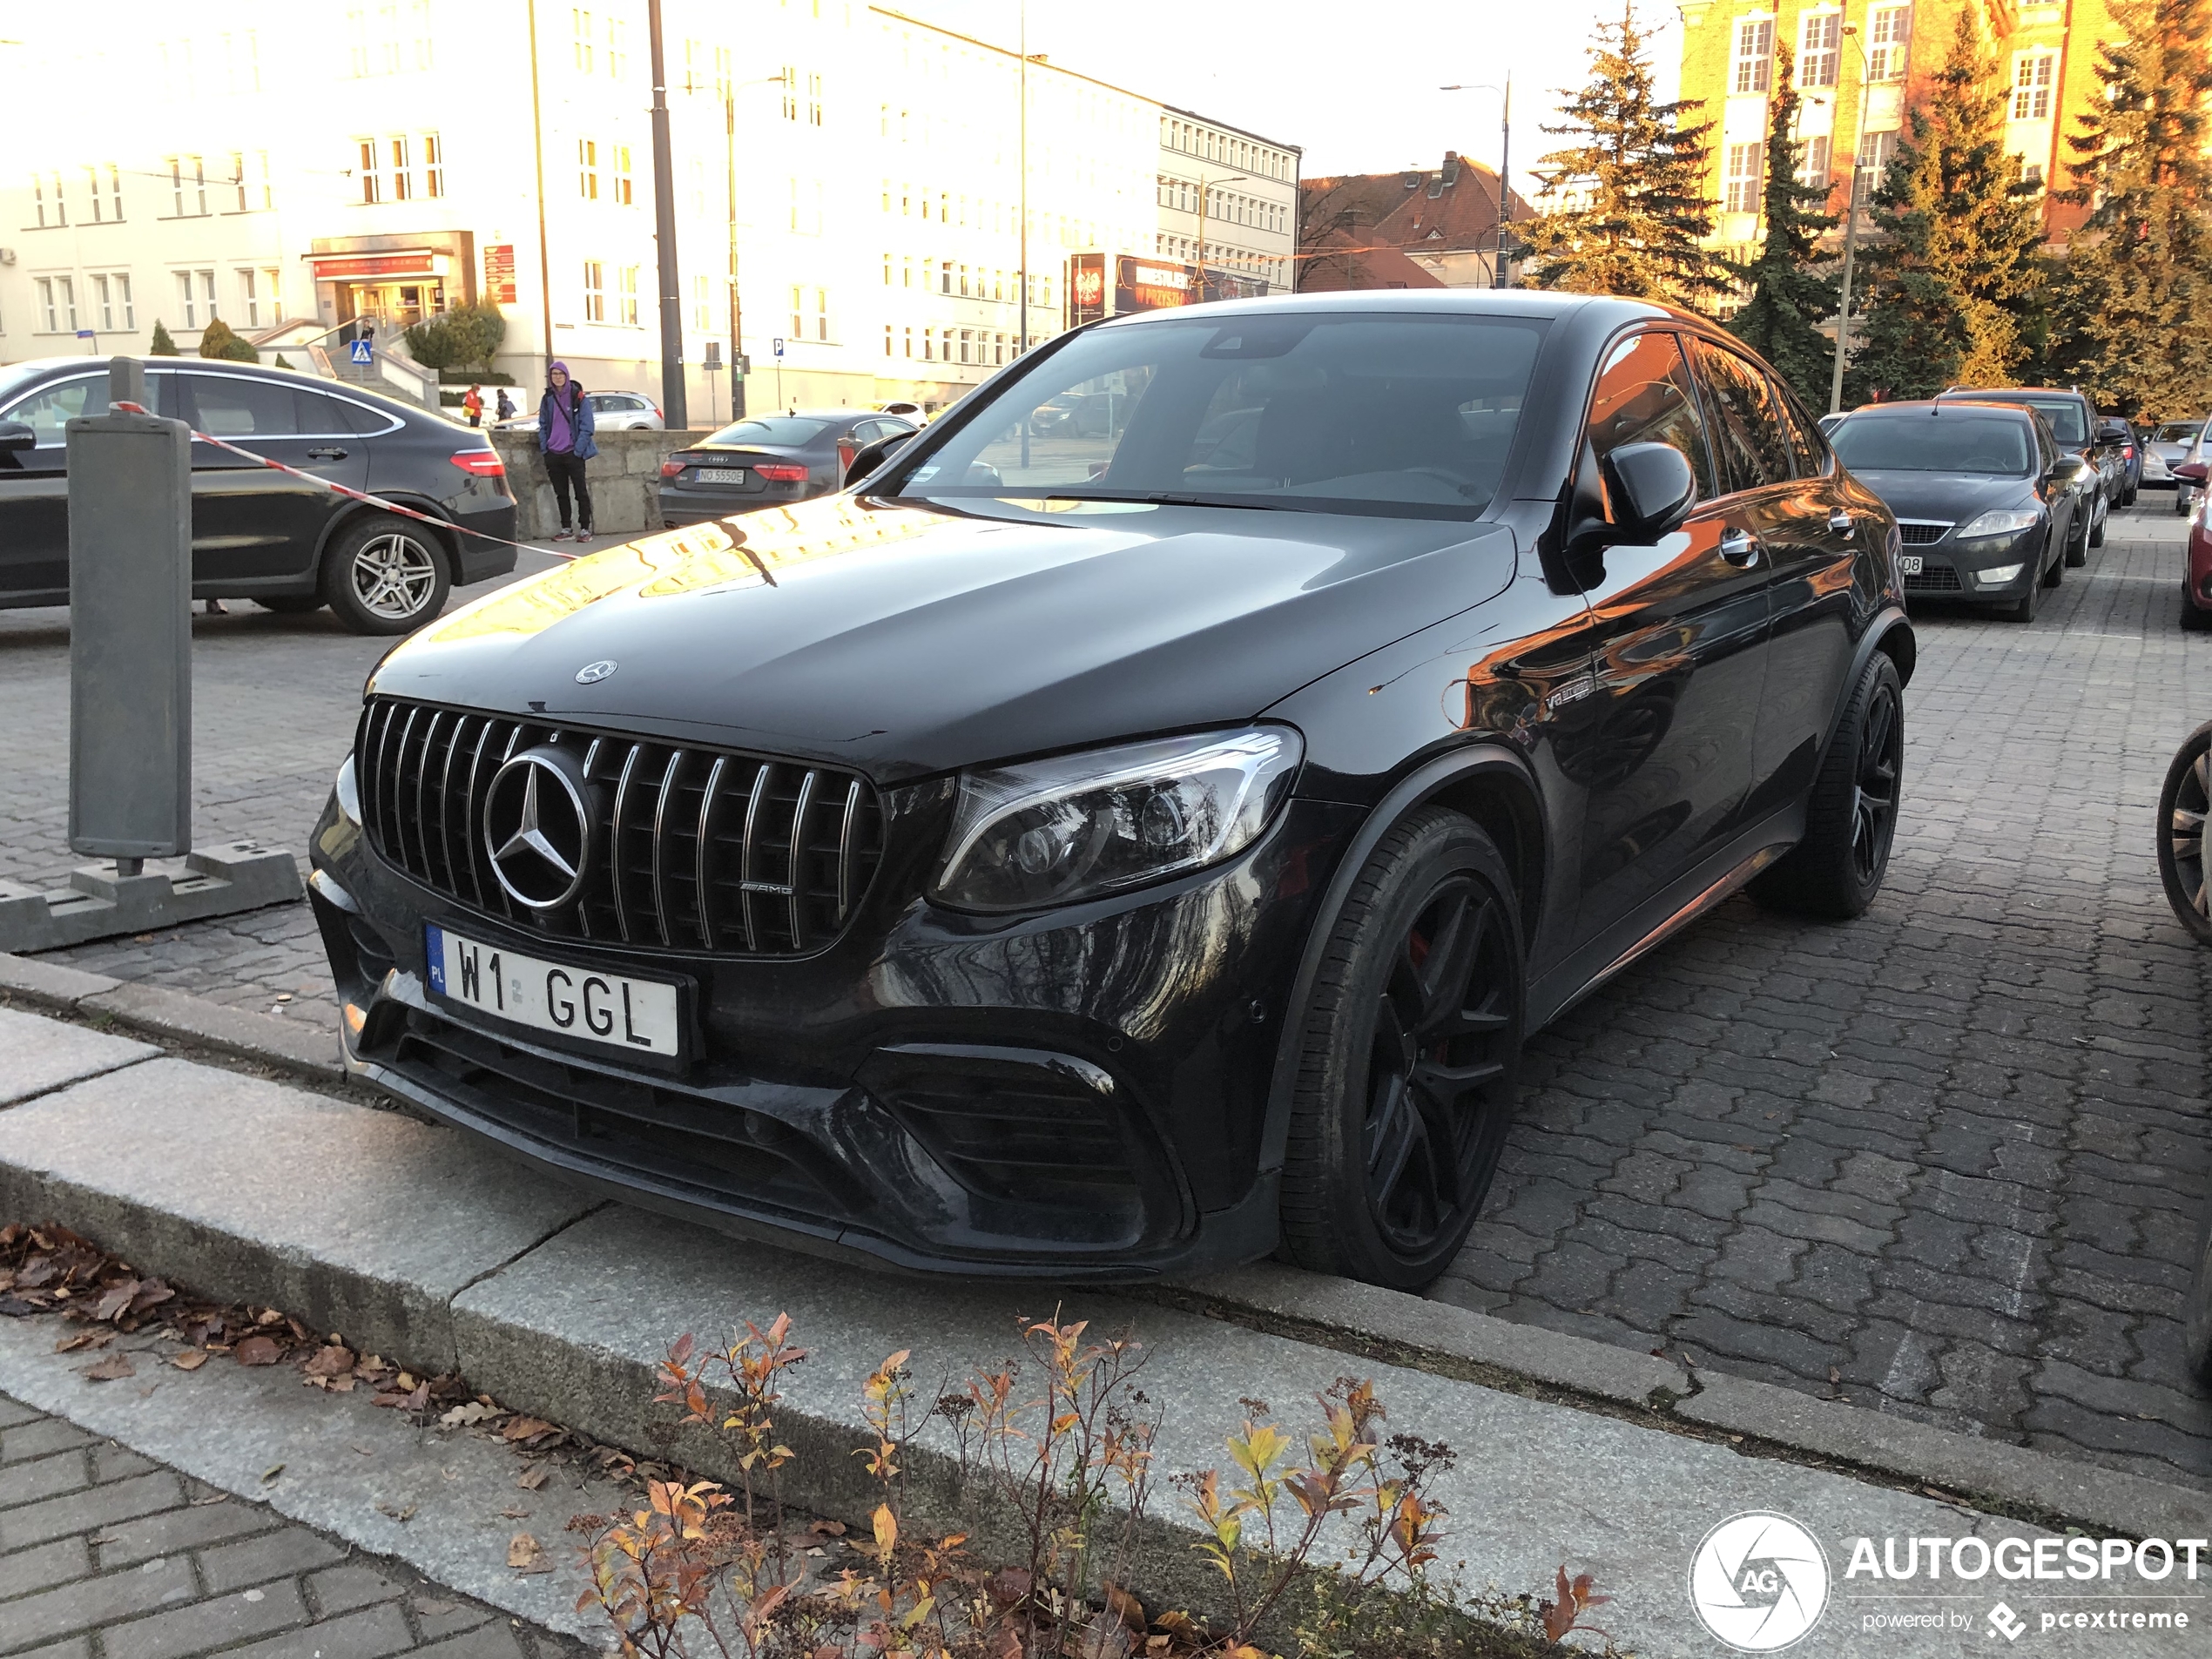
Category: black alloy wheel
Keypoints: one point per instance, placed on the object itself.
(2097, 517)
(2077, 536)
(2054, 572)
(2184, 805)
(2023, 609)
(1851, 819)
(1410, 1042)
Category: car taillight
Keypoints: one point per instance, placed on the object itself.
(673, 465)
(778, 472)
(481, 464)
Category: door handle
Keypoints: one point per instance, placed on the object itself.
(326, 454)
(1740, 547)
(1841, 522)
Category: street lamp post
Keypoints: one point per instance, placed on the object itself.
(1851, 231)
(674, 397)
(1505, 169)
(1205, 193)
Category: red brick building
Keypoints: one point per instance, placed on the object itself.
(1411, 229)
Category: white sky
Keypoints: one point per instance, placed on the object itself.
(1354, 83)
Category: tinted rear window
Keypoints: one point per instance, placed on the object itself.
(1952, 442)
(772, 428)
(2068, 423)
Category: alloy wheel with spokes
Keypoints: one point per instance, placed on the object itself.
(392, 574)
(2184, 805)
(382, 575)
(1852, 814)
(1409, 1042)
(1881, 761)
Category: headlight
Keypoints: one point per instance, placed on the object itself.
(1054, 832)
(349, 791)
(2002, 521)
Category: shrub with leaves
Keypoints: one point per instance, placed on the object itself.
(219, 340)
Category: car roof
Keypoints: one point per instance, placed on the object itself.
(1488, 302)
(1930, 406)
(29, 368)
(1953, 394)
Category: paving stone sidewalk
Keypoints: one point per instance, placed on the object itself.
(105, 1555)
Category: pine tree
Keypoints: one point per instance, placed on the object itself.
(1955, 273)
(1631, 213)
(2142, 276)
(162, 346)
(1789, 298)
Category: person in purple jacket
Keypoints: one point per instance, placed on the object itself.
(564, 433)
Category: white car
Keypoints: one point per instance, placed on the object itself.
(626, 412)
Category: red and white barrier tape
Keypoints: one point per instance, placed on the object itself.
(351, 494)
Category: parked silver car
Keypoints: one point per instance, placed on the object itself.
(2167, 445)
(626, 412)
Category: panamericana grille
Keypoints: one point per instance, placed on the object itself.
(1936, 578)
(698, 849)
(1920, 533)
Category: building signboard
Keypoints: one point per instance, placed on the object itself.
(421, 263)
(1151, 285)
(1086, 288)
(499, 272)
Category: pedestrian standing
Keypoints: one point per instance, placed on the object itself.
(506, 405)
(564, 435)
(472, 405)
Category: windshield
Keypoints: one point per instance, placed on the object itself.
(1399, 414)
(773, 428)
(2178, 432)
(1945, 442)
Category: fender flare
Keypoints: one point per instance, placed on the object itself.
(353, 510)
(1424, 783)
(1886, 622)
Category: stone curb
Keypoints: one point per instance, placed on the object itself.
(304, 1050)
(1407, 1330)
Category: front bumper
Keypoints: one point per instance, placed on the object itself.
(1075, 1096)
(479, 559)
(1956, 571)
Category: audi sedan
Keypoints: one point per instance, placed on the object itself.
(288, 540)
(1980, 491)
(1123, 854)
(769, 460)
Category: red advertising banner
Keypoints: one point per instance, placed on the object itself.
(1086, 288)
(499, 273)
(388, 265)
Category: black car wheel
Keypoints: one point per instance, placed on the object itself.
(2054, 572)
(291, 604)
(2077, 537)
(2097, 524)
(1852, 819)
(2023, 609)
(383, 575)
(1409, 1045)
(2182, 805)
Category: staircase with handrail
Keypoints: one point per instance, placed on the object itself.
(391, 369)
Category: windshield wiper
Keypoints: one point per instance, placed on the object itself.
(1182, 498)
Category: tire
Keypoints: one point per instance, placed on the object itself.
(1428, 947)
(2181, 502)
(2097, 527)
(2196, 1312)
(2023, 609)
(291, 604)
(385, 575)
(1837, 869)
(2184, 805)
(2194, 620)
(2077, 540)
(2056, 571)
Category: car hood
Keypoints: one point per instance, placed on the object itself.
(1952, 497)
(907, 640)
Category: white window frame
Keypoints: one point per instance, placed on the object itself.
(629, 296)
(1753, 62)
(1820, 49)
(369, 168)
(403, 156)
(2034, 74)
(1816, 165)
(587, 169)
(595, 290)
(433, 165)
(1889, 42)
(580, 25)
(1743, 182)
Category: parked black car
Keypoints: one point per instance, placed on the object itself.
(768, 460)
(2122, 440)
(282, 542)
(1122, 863)
(2073, 423)
(1982, 494)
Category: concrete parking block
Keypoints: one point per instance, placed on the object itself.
(358, 1220)
(37, 1054)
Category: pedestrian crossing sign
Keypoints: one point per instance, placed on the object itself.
(358, 352)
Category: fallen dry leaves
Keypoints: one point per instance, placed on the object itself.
(534, 1477)
(258, 1351)
(191, 1359)
(525, 1554)
(114, 1368)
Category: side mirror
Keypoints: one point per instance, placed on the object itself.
(869, 458)
(2194, 471)
(15, 436)
(1655, 484)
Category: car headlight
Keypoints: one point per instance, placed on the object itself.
(349, 793)
(2001, 520)
(1077, 827)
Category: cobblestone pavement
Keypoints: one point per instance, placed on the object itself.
(1952, 1152)
(105, 1555)
(1950, 1155)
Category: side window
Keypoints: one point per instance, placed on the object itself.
(1753, 439)
(47, 410)
(1805, 441)
(1645, 395)
(867, 431)
(234, 406)
(321, 416)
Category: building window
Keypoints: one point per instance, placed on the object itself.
(46, 199)
(196, 297)
(1820, 42)
(372, 175)
(57, 304)
(909, 351)
(886, 341)
(594, 292)
(791, 92)
(1754, 55)
(821, 313)
(966, 345)
(629, 296)
(1813, 168)
(114, 193)
(2031, 86)
(798, 313)
(1875, 150)
(402, 171)
(618, 181)
(814, 100)
(587, 169)
(433, 165)
(617, 48)
(116, 310)
(580, 25)
(1893, 34)
(2032, 174)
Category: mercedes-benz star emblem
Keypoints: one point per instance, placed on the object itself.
(592, 673)
(538, 829)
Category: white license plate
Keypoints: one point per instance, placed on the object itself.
(1908, 564)
(636, 1015)
(722, 474)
